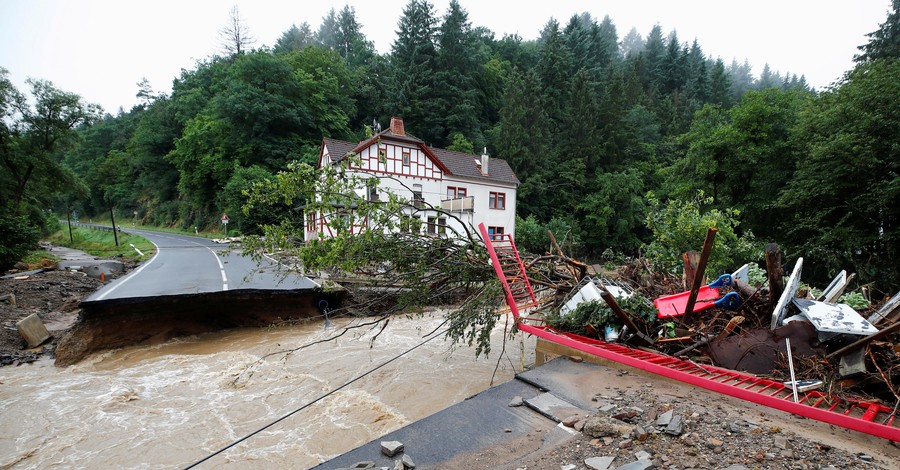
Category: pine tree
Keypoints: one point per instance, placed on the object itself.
(720, 85)
(328, 31)
(414, 61)
(885, 41)
(632, 44)
(295, 39)
(654, 56)
(554, 69)
(457, 97)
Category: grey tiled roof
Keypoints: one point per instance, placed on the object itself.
(456, 163)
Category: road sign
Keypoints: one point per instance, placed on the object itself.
(225, 218)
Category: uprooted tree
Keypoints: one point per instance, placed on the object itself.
(394, 266)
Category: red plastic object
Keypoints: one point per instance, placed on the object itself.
(674, 305)
(859, 415)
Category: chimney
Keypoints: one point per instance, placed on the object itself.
(397, 126)
(485, 159)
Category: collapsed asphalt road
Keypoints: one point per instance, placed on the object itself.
(192, 285)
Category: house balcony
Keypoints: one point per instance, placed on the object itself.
(460, 204)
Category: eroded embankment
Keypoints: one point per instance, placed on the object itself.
(116, 323)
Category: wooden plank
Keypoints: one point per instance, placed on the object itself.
(701, 270)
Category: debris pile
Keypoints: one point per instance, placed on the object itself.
(777, 329)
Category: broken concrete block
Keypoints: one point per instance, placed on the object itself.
(599, 463)
(781, 441)
(407, 462)
(391, 448)
(852, 363)
(675, 427)
(33, 330)
(665, 418)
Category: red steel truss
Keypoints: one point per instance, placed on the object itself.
(856, 414)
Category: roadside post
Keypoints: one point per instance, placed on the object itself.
(225, 220)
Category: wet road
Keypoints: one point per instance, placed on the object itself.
(191, 265)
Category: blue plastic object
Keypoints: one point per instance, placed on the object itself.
(730, 301)
(722, 281)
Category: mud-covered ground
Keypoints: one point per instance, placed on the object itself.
(53, 295)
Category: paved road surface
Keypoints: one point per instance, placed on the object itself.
(191, 265)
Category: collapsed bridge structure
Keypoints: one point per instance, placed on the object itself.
(856, 414)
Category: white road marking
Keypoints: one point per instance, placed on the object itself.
(132, 275)
(221, 268)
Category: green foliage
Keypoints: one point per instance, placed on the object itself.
(429, 269)
(757, 275)
(855, 300)
(840, 207)
(459, 143)
(599, 315)
(678, 226)
(19, 237)
(531, 235)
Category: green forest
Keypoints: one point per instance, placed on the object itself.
(626, 143)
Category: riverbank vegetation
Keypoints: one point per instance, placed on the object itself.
(591, 117)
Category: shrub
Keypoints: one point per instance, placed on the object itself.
(19, 237)
(678, 226)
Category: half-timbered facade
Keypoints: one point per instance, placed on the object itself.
(473, 188)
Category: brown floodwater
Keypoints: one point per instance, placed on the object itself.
(172, 404)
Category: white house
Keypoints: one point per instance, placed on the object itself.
(473, 188)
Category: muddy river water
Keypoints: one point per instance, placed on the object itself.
(172, 404)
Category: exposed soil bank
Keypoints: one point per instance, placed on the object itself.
(125, 322)
(54, 296)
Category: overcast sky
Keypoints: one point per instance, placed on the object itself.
(102, 49)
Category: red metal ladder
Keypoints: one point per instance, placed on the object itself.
(856, 414)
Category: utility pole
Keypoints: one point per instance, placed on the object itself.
(113, 219)
(69, 220)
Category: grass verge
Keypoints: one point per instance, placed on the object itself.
(101, 243)
(129, 223)
(39, 259)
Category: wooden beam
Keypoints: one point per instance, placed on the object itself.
(775, 273)
(701, 270)
(865, 340)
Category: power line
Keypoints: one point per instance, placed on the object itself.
(320, 398)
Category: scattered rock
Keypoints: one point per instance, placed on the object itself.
(781, 441)
(639, 465)
(603, 426)
(517, 401)
(599, 463)
(576, 358)
(407, 462)
(391, 448)
(607, 408)
(712, 443)
(642, 455)
(627, 416)
(626, 444)
(866, 457)
(570, 421)
(675, 426)
(365, 464)
(640, 433)
(568, 467)
(665, 418)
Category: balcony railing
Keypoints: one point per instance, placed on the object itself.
(460, 204)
